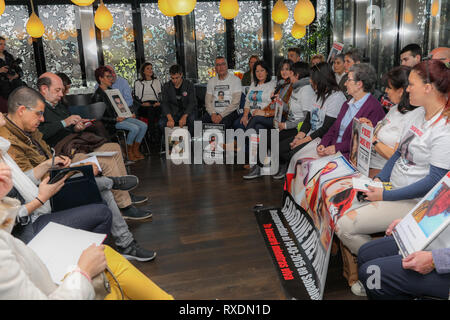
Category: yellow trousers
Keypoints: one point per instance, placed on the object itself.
(135, 285)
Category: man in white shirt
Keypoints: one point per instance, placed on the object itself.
(223, 95)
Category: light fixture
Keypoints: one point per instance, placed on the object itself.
(298, 31)
(83, 3)
(35, 27)
(280, 12)
(408, 16)
(103, 18)
(229, 9)
(2, 6)
(277, 32)
(183, 7)
(434, 8)
(304, 13)
(165, 6)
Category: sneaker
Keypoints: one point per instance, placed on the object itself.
(135, 199)
(358, 289)
(281, 173)
(125, 183)
(255, 172)
(135, 252)
(133, 213)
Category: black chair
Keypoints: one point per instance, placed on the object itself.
(81, 99)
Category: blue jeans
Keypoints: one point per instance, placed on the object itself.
(396, 282)
(136, 129)
(93, 217)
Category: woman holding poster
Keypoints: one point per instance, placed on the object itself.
(419, 162)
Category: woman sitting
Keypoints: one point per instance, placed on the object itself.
(387, 132)
(322, 111)
(360, 82)
(25, 276)
(136, 128)
(419, 162)
(147, 92)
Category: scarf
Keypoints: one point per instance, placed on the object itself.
(27, 189)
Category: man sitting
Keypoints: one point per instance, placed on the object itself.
(178, 101)
(223, 95)
(58, 124)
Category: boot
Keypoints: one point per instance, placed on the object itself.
(130, 153)
(138, 155)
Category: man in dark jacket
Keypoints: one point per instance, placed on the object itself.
(179, 103)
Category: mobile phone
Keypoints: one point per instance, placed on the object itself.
(361, 196)
(66, 172)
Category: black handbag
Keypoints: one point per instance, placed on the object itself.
(79, 190)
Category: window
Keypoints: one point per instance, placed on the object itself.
(18, 42)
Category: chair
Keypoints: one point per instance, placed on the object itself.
(121, 136)
(81, 99)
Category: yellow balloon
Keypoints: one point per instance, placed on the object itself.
(434, 8)
(229, 9)
(277, 32)
(304, 12)
(103, 18)
(298, 31)
(280, 12)
(83, 3)
(2, 6)
(184, 7)
(165, 6)
(35, 27)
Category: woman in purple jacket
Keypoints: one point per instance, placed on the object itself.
(360, 82)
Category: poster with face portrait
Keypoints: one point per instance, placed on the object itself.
(361, 146)
(427, 225)
(118, 102)
(178, 145)
(335, 50)
(213, 141)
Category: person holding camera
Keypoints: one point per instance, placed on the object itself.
(10, 71)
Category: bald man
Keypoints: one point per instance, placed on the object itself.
(57, 124)
(441, 53)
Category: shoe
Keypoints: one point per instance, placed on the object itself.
(255, 172)
(133, 213)
(358, 289)
(135, 199)
(130, 153)
(135, 252)
(136, 151)
(124, 183)
(281, 173)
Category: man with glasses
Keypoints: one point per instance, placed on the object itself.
(223, 95)
(57, 124)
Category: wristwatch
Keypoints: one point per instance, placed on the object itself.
(375, 143)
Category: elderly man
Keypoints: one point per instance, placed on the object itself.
(57, 124)
(441, 53)
(223, 95)
(25, 112)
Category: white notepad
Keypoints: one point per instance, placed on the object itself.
(60, 247)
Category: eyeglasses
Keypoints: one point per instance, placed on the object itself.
(348, 79)
(221, 64)
(109, 76)
(38, 113)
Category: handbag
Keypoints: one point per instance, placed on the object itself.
(102, 286)
(80, 184)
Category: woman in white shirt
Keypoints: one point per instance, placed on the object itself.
(147, 92)
(387, 132)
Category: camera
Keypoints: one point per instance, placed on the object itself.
(13, 69)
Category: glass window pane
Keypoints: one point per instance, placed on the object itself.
(60, 41)
(247, 33)
(413, 22)
(210, 37)
(159, 40)
(18, 42)
(118, 42)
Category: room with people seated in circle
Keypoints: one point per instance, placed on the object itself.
(224, 150)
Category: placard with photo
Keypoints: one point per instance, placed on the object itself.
(118, 102)
(178, 144)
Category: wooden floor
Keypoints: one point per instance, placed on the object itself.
(205, 233)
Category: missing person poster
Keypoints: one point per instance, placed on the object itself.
(178, 144)
(118, 102)
(427, 225)
(361, 146)
(335, 50)
(213, 140)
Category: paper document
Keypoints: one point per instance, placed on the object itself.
(90, 159)
(60, 247)
(102, 154)
(361, 184)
